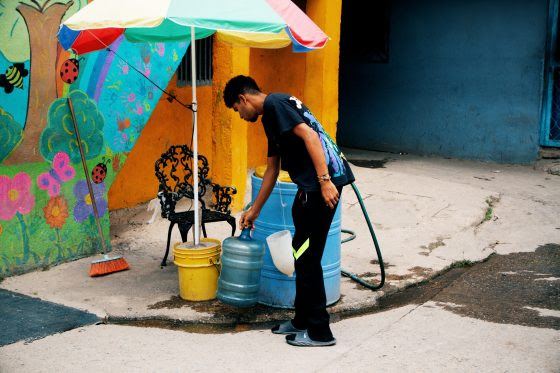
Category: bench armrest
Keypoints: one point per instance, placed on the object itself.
(167, 200)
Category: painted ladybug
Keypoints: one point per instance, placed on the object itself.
(69, 70)
(99, 172)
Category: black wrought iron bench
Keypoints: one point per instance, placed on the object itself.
(175, 175)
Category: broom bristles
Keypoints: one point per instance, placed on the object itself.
(108, 265)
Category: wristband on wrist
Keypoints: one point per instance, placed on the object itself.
(325, 177)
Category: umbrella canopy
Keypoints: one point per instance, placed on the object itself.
(254, 23)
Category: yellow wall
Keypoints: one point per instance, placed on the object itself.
(230, 144)
(274, 70)
(321, 77)
(229, 131)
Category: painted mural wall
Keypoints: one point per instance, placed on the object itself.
(463, 79)
(46, 213)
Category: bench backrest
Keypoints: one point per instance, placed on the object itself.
(175, 174)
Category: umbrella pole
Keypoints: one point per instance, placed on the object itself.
(195, 140)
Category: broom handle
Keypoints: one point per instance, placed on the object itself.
(93, 204)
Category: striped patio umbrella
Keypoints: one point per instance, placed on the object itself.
(253, 23)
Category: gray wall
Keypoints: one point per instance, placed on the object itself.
(464, 80)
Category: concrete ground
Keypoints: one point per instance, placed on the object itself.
(428, 214)
(413, 338)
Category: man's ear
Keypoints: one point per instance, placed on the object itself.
(242, 99)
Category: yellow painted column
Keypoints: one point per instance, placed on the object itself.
(321, 68)
(229, 143)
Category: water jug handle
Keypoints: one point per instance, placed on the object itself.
(245, 234)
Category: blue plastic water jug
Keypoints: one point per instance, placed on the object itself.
(242, 260)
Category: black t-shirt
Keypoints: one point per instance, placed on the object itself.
(281, 114)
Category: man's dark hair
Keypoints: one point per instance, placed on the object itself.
(239, 85)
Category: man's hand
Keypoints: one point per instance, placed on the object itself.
(330, 193)
(248, 218)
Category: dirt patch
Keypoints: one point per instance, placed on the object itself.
(173, 302)
(390, 277)
(385, 264)
(421, 271)
(415, 272)
(432, 246)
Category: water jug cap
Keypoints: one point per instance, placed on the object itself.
(245, 234)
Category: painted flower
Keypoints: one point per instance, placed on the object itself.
(83, 207)
(116, 163)
(15, 195)
(56, 212)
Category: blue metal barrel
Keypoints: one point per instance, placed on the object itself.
(242, 260)
(277, 289)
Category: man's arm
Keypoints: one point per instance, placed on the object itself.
(315, 150)
(269, 180)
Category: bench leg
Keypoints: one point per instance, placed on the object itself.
(204, 230)
(164, 261)
(184, 230)
(231, 221)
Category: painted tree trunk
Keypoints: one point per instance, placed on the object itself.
(42, 27)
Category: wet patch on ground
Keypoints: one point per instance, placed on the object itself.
(419, 293)
(510, 289)
(224, 318)
(369, 163)
(194, 327)
(221, 311)
(519, 288)
(414, 272)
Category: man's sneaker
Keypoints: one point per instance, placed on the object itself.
(286, 328)
(302, 339)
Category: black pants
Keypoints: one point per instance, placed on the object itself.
(312, 221)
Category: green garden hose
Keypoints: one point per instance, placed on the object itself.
(353, 276)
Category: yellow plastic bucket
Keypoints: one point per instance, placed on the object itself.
(198, 268)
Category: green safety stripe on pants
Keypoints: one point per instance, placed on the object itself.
(301, 249)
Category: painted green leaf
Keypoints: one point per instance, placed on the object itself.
(10, 134)
(59, 135)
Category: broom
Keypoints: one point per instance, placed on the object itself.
(108, 264)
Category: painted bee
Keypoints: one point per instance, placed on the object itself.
(13, 77)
